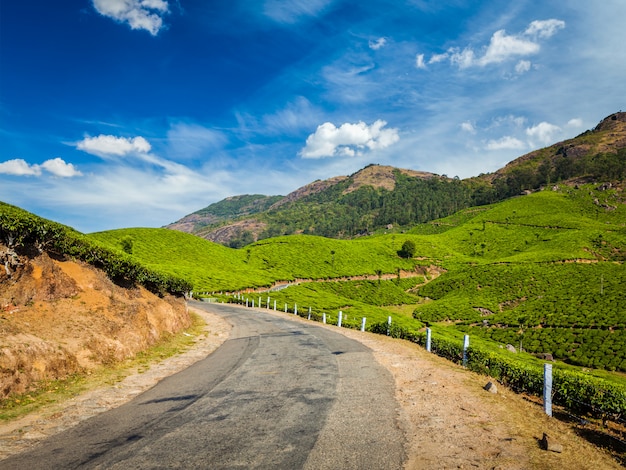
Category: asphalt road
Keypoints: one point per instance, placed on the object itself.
(278, 394)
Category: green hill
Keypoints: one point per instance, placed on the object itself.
(526, 269)
(381, 198)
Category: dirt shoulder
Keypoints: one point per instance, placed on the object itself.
(449, 420)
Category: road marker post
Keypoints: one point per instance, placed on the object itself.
(428, 339)
(340, 318)
(465, 347)
(547, 389)
(363, 324)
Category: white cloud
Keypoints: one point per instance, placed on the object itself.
(139, 14)
(58, 167)
(19, 167)
(542, 132)
(468, 127)
(503, 46)
(436, 58)
(576, 122)
(505, 143)
(348, 139)
(544, 28)
(523, 66)
(419, 61)
(378, 43)
(111, 146)
(462, 59)
(55, 166)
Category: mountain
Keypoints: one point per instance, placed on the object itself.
(384, 198)
(596, 155)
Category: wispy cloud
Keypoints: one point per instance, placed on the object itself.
(297, 115)
(505, 143)
(189, 140)
(467, 126)
(348, 140)
(376, 44)
(419, 61)
(502, 47)
(522, 66)
(294, 10)
(138, 14)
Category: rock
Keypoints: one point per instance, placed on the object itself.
(491, 387)
(547, 443)
(511, 348)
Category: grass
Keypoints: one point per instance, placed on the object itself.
(51, 393)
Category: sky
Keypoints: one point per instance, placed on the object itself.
(135, 113)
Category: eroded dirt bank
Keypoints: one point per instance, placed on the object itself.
(62, 317)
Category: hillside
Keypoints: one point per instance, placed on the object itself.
(68, 305)
(336, 207)
(59, 318)
(538, 260)
(382, 198)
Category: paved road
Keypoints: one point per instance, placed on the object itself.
(278, 394)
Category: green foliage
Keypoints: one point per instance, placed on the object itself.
(20, 229)
(407, 250)
(574, 311)
(355, 299)
(127, 244)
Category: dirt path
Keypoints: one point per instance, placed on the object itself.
(449, 419)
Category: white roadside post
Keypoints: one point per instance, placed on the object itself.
(428, 339)
(285, 308)
(465, 346)
(274, 305)
(268, 302)
(324, 317)
(309, 317)
(388, 325)
(295, 309)
(547, 389)
(363, 324)
(340, 318)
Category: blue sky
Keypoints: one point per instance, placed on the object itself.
(125, 113)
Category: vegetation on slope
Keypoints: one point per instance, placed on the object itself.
(213, 267)
(21, 230)
(543, 268)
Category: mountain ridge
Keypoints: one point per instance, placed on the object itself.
(366, 200)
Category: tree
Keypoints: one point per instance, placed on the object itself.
(407, 250)
(127, 244)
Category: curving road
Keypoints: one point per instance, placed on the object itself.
(278, 394)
